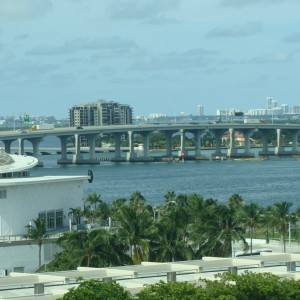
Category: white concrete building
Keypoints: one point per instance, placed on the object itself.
(23, 199)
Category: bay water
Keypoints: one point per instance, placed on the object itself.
(260, 181)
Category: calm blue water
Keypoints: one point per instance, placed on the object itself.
(264, 182)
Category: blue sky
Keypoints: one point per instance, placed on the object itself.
(159, 56)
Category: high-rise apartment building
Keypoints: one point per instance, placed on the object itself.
(100, 113)
(272, 103)
(200, 110)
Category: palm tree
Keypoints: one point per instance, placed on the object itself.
(137, 200)
(268, 221)
(96, 248)
(166, 243)
(170, 196)
(96, 207)
(37, 232)
(93, 199)
(283, 218)
(222, 228)
(135, 219)
(252, 219)
(75, 214)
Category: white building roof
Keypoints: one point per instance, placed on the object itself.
(134, 278)
(42, 179)
(14, 163)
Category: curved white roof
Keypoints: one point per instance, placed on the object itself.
(14, 163)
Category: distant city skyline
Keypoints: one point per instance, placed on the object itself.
(158, 56)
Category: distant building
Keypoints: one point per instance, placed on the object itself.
(157, 116)
(285, 108)
(200, 109)
(257, 112)
(100, 113)
(271, 103)
(295, 110)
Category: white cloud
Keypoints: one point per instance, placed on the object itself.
(294, 38)
(244, 30)
(5, 56)
(106, 47)
(137, 9)
(193, 58)
(13, 10)
(243, 3)
(278, 57)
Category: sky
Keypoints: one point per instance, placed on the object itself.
(159, 56)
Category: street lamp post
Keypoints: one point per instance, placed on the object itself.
(153, 207)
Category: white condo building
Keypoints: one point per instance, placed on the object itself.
(23, 199)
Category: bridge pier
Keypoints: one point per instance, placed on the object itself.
(63, 147)
(183, 152)
(265, 133)
(247, 144)
(197, 136)
(231, 152)
(168, 137)
(132, 156)
(35, 148)
(7, 145)
(218, 135)
(295, 148)
(117, 138)
(279, 149)
(146, 142)
(77, 158)
(21, 146)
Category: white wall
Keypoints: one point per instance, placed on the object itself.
(25, 201)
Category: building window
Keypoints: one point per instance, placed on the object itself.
(42, 215)
(3, 194)
(50, 219)
(59, 218)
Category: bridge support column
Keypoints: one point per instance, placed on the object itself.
(218, 135)
(7, 145)
(198, 143)
(117, 139)
(264, 138)
(247, 143)
(146, 141)
(63, 148)
(198, 134)
(247, 134)
(295, 149)
(91, 140)
(279, 150)
(21, 146)
(168, 137)
(232, 152)
(78, 157)
(35, 148)
(131, 155)
(183, 151)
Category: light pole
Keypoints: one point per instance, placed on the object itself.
(153, 207)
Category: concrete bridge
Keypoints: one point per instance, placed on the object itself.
(198, 130)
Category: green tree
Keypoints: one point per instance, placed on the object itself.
(222, 228)
(96, 248)
(96, 207)
(281, 213)
(37, 232)
(75, 215)
(171, 290)
(252, 219)
(135, 219)
(97, 290)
